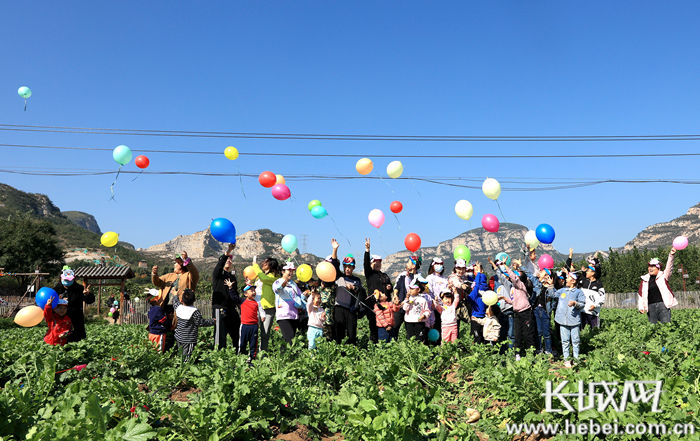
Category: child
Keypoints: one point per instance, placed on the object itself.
(60, 325)
(568, 315)
(491, 324)
(416, 311)
(250, 315)
(384, 313)
(157, 324)
(327, 291)
(448, 313)
(189, 320)
(317, 316)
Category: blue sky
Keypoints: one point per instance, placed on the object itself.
(447, 68)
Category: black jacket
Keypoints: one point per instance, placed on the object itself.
(74, 295)
(375, 280)
(220, 297)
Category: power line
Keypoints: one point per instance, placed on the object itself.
(369, 155)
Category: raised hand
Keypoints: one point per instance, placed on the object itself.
(228, 282)
(367, 243)
(154, 270)
(334, 244)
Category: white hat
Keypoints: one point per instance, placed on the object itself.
(329, 258)
(461, 263)
(375, 257)
(655, 262)
(437, 260)
(289, 266)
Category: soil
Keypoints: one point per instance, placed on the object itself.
(143, 387)
(182, 394)
(300, 434)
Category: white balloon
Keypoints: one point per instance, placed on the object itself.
(464, 209)
(394, 169)
(491, 188)
(531, 239)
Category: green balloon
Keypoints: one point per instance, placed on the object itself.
(121, 154)
(24, 92)
(314, 203)
(462, 252)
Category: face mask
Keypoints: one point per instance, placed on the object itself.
(66, 282)
(438, 268)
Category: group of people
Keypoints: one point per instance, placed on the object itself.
(430, 308)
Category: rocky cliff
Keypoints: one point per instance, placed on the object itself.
(662, 234)
(84, 220)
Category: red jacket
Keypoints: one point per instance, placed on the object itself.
(385, 317)
(58, 326)
(249, 312)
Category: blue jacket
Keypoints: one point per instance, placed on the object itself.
(568, 315)
(478, 306)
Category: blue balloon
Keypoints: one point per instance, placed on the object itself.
(319, 212)
(433, 335)
(545, 233)
(223, 230)
(44, 295)
(289, 243)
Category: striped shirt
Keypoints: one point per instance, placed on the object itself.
(189, 319)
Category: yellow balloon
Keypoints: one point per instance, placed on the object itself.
(29, 316)
(489, 298)
(326, 271)
(364, 166)
(109, 239)
(249, 273)
(231, 153)
(394, 169)
(304, 273)
(491, 188)
(280, 180)
(464, 209)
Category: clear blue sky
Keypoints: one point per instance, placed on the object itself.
(448, 68)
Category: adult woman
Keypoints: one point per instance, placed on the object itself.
(437, 284)
(224, 309)
(524, 319)
(462, 287)
(655, 296)
(288, 299)
(401, 288)
(76, 294)
(184, 276)
(267, 273)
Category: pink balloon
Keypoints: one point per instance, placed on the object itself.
(490, 223)
(680, 242)
(545, 261)
(376, 218)
(281, 192)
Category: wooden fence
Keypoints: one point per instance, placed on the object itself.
(136, 313)
(686, 299)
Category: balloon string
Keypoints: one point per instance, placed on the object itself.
(501, 211)
(339, 232)
(381, 178)
(25, 104)
(397, 221)
(137, 176)
(240, 179)
(111, 187)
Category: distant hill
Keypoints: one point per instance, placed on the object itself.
(662, 234)
(84, 220)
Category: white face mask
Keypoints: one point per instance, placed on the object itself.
(438, 268)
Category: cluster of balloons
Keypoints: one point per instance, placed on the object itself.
(223, 230)
(317, 210)
(122, 155)
(280, 191)
(33, 315)
(289, 243)
(365, 166)
(109, 239)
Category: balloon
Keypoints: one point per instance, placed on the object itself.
(29, 316)
(109, 239)
(545, 261)
(680, 243)
(141, 161)
(464, 209)
(231, 153)
(314, 203)
(121, 154)
(281, 192)
(116, 303)
(25, 93)
(109, 314)
(412, 242)
(376, 218)
(462, 252)
(223, 230)
(433, 335)
(249, 273)
(267, 179)
(491, 188)
(503, 257)
(531, 239)
(396, 207)
(325, 271)
(545, 233)
(112, 309)
(364, 166)
(489, 298)
(289, 243)
(304, 273)
(319, 212)
(280, 180)
(490, 223)
(44, 295)
(394, 169)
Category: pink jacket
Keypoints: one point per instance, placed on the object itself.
(662, 282)
(520, 296)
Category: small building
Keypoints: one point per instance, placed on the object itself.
(103, 275)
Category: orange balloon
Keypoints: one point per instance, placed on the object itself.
(29, 316)
(364, 166)
(280, 180)
(325, 271)
(249, 273)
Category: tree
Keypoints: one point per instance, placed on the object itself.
(27, 244)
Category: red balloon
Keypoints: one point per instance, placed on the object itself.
(267, 179)
(141, 161)
(412, 242)
(396, 207)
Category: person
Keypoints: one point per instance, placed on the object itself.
(268, 272)
(416, 310)
(448, 313)
(288, 299)
(158, 324)
(477, 306)
(327, 291)
(437, 283)
(404, 279)
(542, 286)
(76, 294)
(504, 288)
(463, 285)
(655, 296)
(58, 322)
(384, 312)
(250, 315)
(317, 316)
(348, 293)
(184, 276)
(226, 313)
(189, 320)
(568, 315)
(376, 280)
(490, 324)
(595, 296)
(523, 318)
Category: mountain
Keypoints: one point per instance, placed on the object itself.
(84, 220)
(662, 234)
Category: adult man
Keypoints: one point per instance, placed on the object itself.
(376, 280)
(348, 293)
(76, 294)
(223, 308)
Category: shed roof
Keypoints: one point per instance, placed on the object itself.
(104, 272)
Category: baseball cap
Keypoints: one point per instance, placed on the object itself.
(461, 263)
(349, 260)
(62, 302)
(375, 258)
(573, 276)
(437, 260)
(548, 271)
(289, 266)
(329, 258)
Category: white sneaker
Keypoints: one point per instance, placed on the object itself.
(517, 357)
(567, 364)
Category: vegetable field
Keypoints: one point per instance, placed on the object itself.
(403, 391)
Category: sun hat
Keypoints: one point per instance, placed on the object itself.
(461, 263)
(375, 258)
(289, 266)
(655, 262)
